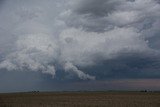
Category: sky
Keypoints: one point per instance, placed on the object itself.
(63, 45)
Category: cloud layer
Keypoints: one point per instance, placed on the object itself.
(43, 36)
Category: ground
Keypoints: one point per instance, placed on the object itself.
(81, 99)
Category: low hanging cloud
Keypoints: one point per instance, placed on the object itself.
(37, 36)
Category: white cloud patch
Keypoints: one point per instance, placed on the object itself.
(83, 48)
(69, 67)
(76, 35)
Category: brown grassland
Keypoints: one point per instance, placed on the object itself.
(81, 99)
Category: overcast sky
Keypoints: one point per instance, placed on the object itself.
(54, 45)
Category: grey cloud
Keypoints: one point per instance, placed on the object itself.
(131, 66)
(1, 2)
(104, 15)
(96, 8)
(44, 35)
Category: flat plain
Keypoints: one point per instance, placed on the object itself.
(80, 99)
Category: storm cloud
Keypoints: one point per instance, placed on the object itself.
(88, 40)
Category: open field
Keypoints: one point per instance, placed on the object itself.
(81, 99)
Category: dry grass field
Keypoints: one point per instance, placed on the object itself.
(81, 99)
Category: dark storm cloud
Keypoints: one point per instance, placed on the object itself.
(124, 66)
(1, 2)
(128, 66)
(103, 15)
(158, 1)
(81, 40)
(96, 8)
(90, 14)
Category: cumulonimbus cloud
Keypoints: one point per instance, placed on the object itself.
(73, 35)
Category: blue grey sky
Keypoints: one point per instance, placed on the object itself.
(55, 45)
